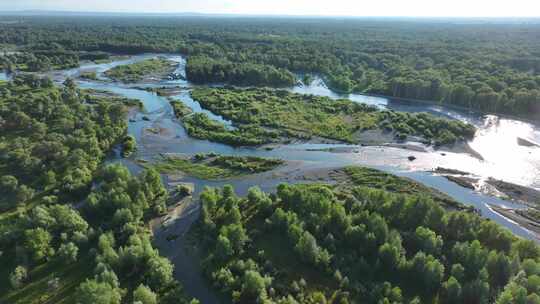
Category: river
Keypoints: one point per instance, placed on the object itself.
(496, 141)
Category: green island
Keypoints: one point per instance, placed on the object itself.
(306, 116)
(214, 166)
(94, 96)
(316, 243)
(91, 75)
(377, 179)
(138, 71)
(71, 229)
(200, 126)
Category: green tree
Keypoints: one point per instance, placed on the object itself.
(94, 292)
(254, 286)
(144, 295)
(37, 242)
(451, 291)
(68, 252)
(18, 277)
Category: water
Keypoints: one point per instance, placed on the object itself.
(496, 141)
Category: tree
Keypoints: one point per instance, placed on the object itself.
(94, 292)
(223, 247)
(499, 268)
(144, 295)
(160, 272)
(18, 276)
(254, 286)
(68, 252)
(237, 236)
(37, 242)
(308, 249)
(427, 241)
(451, 291)
(428, 270)
(8, 184)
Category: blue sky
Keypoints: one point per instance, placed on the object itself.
(481, 8)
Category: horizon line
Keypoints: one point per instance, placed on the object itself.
(210, 14)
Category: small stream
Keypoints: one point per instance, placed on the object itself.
(496, 141)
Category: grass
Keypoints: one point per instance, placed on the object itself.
(372, 178)
(95, 96)
(212, 166)
(138, 71)
(89, 75)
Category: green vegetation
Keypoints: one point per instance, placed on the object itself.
(42, 59)
(203, 69)
(199, 125)
(307, 115)
(89, 75)
(491, 66)
(318, 244)
(214, 166)
(376, 179)
(93, 96)
(52, 139)
(180, 109)
(129, 145)
(140, 70)
(72, 231)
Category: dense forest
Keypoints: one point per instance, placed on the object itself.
(71, 229)
(487, 66)
(319, 243)
(202, 69)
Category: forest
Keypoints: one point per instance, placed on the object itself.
(319, 243)
(484, 66)
(72, 229)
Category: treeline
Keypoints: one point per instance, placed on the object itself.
(40, 59)
(317, 244)
(201, 69)
(485, 66)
